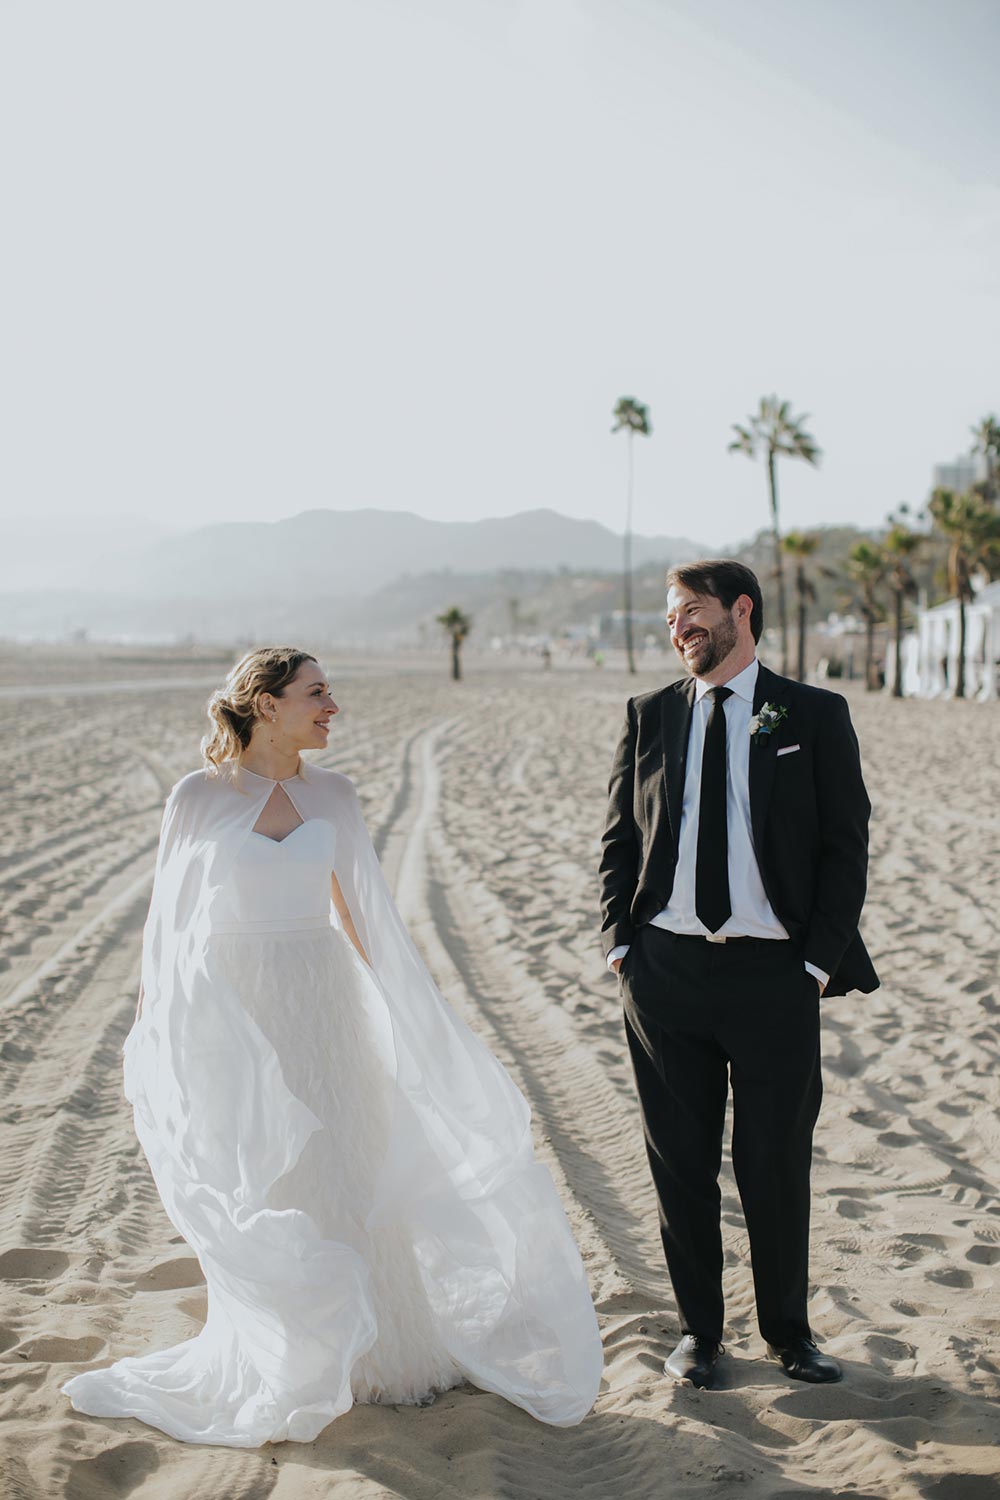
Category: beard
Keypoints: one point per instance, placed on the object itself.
(714, 646)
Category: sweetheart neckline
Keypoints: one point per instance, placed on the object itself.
(291, 833)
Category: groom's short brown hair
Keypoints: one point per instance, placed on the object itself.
(724, 580)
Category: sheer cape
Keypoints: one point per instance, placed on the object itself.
(502, 1273)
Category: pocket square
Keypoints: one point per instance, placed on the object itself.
(789, 749)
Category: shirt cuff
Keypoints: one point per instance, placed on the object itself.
(616, 953)
(824, 979)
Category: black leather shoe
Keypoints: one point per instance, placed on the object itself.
(803, 1361)
(694, 1360)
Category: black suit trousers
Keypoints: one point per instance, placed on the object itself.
(701, 1017)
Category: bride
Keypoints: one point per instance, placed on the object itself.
(352, 1167)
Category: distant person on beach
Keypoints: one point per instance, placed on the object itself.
(351, 1166)
(733, 877)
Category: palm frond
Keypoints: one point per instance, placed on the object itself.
(455, 622)
(631, 415)
(775, 428)
(800, 543)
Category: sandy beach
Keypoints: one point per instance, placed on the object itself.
(486, 802)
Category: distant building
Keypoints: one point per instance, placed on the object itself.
(960, 475)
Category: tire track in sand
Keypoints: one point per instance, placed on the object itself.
(85, 1241)
(591, 1146)
(592, 1133)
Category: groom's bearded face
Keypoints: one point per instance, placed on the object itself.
(702, 631)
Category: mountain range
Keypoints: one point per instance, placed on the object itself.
(334, 567)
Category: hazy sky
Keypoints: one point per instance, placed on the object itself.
(407, 253)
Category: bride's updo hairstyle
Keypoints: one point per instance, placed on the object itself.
(234, 708)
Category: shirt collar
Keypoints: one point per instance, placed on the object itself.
(743, 684)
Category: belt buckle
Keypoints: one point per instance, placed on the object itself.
(714, 937)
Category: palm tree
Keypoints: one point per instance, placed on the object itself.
(631, 415)
(987, 436)
(971, 527)
(773, 430)
(801, 545)
(898, 547)
(866, 568)
(457, 625)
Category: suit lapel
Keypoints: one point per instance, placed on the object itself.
(763, 756)
(676, 726)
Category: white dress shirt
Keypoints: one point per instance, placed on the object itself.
(752, 914)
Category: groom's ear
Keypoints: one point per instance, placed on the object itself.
(743, 607)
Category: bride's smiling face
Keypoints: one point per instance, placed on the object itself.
(300, 718)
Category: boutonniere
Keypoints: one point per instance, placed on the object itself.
(766, 720)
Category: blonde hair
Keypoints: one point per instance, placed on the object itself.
(234, 708)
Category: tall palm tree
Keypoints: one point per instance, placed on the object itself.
(866, 568)
(457, 625)
(801, 545)
(773, 431)
(971, 527)
(898, 547)
(631, 416)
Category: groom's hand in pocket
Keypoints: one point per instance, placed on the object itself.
(822, 979)
(617, 957)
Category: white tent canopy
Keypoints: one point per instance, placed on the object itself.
(930, 655)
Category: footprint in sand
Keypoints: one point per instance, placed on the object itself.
(886, 1350)
(975, 986)
(983, 1255)
(195, 1308)
(118, 1471)
(57, 1351)
(170, 1275)
(32, 1265)
(851, 1208)
(895, 1141)
(15, 1052)
(973, 1360)
(871, 1119)
(951, 1276)
(962, 1487)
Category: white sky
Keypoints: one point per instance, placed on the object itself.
(259, 258)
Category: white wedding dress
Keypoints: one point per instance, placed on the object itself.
(298, 1141)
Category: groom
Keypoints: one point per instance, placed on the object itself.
(733, 876)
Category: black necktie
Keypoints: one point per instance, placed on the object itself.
(711, 889)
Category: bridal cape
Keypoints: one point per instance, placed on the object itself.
(288, 1308)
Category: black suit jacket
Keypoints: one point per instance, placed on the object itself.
(808, 811)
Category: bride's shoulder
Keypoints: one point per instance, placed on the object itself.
(191, 786)
(333, 784)
(199, 787)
